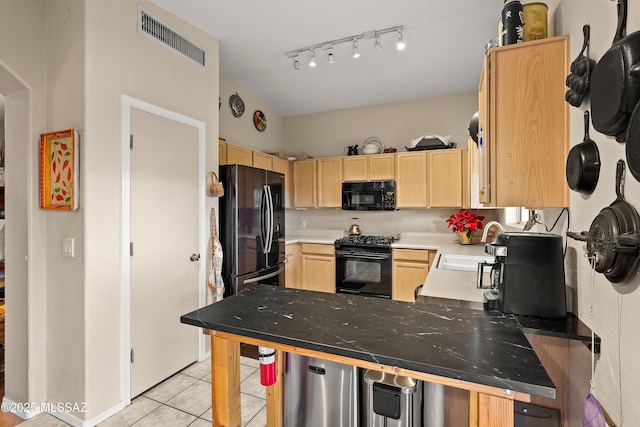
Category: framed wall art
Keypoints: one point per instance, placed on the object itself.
(59, 172)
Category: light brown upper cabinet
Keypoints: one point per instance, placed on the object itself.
(222, 151)
(304, 183)
(411, 180)
(280, 165)
(371, 167)
(239, 155)
(329, 182)
(524, 125)
(445, 178)
(262, 160)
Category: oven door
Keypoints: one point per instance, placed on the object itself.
(363, 272)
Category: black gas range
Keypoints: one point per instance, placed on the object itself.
(363, 265)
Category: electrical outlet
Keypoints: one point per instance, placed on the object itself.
(68, 247)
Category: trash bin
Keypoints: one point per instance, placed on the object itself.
(391, 400)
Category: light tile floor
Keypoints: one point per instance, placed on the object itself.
(183, 400)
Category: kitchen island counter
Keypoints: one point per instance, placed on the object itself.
(469, 349)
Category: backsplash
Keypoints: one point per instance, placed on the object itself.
(379, 222)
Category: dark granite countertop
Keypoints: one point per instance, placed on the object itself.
(465, 344)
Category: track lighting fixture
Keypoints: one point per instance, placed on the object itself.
(328, 46)
(400, 44)
(312, 60)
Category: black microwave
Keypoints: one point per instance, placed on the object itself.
(369, 196)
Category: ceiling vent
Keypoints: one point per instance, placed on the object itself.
(152, 27)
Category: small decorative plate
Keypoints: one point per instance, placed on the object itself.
(259, 120)
(236, 104)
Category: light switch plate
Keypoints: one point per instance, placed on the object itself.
(68, 247)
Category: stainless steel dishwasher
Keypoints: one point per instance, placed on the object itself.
(319, 393)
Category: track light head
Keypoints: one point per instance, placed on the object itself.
(378, 45)
(330, 57)
(400, 44)
(356, 52)
(312, 60)
(296, 63)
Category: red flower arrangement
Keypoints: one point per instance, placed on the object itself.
(465, 221)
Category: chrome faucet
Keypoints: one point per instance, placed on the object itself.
(487, 227)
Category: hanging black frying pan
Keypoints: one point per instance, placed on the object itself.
(583, 163)
(473, 127)
(613, 239)
(633, 143)
(581, 68)
(615, 81)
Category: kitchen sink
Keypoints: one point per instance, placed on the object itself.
(463, 262)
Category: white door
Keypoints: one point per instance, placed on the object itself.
(164, 236)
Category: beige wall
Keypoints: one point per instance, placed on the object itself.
(73, 61)
(128, 63)
(396, 124)
(240, 130)
(23, 78)
(615, 316)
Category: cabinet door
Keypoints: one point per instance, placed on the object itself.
(239, 155)
(355, 168)
(318, 268)
(381, 166)
(528, 122)
(410, 269)
(222, 152)
(292, 266)
(329, 182)
(280, 165)
(262, 160)
(288, 185)
(484, 133)
(304, 183)
(445, 178)
(411, 180)
(407, 275)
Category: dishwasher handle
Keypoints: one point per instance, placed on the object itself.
(316, 370)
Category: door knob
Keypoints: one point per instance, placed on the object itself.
(195, 257)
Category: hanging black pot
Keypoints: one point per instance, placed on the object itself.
(583, 163)
(473, 127)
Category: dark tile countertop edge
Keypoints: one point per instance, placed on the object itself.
(314, 320)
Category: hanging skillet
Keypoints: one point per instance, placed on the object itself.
(581, 68)
(583, 163)
(613, 239)
(632, 146)
(615, 81)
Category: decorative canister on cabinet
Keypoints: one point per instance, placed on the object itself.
(512, 22)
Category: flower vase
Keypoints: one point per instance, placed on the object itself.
(465, 237)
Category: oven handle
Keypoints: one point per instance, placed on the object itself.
(347, 254)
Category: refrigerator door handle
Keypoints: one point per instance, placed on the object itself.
(270, 215)
(266, 276)
(264, 219)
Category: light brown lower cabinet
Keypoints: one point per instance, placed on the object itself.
(292, 266)
(410, 269)
(317, 268)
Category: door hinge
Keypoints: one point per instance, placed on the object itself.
(131, 142)
(131, 356)
(130, 248)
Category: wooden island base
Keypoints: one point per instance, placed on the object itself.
(487, 406)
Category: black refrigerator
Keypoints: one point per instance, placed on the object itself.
(251, 228)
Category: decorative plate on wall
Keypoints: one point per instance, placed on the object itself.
(236, 104)
(259, 120)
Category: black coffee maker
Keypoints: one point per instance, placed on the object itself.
(527, 277)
